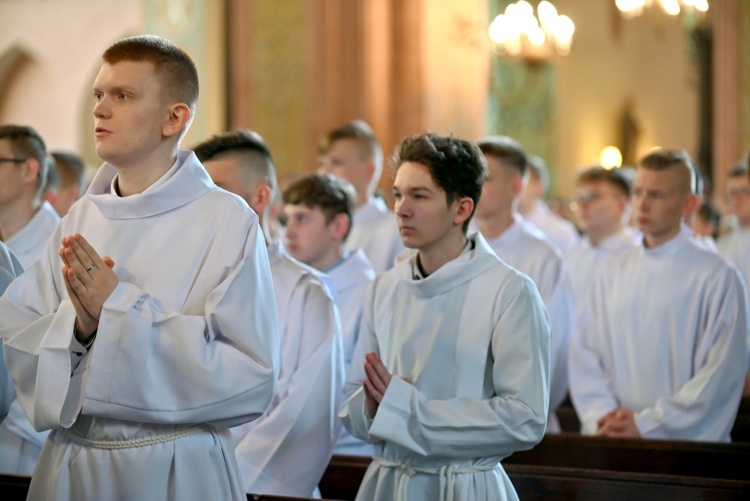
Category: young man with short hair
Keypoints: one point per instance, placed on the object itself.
(603, 202)
(451, 370)
(26, 221)
(734, 245)
(71, 172)
(285, 451)
(661, 349)
(525, 248)
(352, 152)
(146, 329)
(318, 211)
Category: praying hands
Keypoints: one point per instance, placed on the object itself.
(618, 423)
(89, 280)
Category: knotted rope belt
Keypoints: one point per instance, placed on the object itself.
(137, 442)
(446, 473)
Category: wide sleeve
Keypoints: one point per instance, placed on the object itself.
(591, 388)
(286, 451)
(705, 407)
(149, 363)
(512, 419)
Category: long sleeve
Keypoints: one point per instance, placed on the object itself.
(286, 451)
(150, 363)
(511, 418)
(706, 405)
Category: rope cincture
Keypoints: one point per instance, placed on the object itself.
(447, 474)
(138, 442)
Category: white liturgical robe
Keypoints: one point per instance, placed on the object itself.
(10, 268)
(663, 335)
(187, 344)
(561, 232)
(735, 248)
(585, 259)
(375, 231)
(30, 242)
(472, 342)
(526, 249)
(286, 451)
(351, 277)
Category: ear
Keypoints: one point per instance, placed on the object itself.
(260, 198)
(517, 185)
(31, 171)
(370, 171)
(339, 226)
(464, 208)
(692, 204)
(179, 116)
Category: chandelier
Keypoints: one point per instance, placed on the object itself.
(519, 34)
(634, 8)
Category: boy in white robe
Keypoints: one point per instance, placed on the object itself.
(526, 249)
(451, 370)
(285, 451)
(561, 232)
(318, 210)
(10, 268)
(26, 221)
(661, 348)
(352, 152)
(603, 201)
(140, 361)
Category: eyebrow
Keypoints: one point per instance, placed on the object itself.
(117, 89)
(414, 189)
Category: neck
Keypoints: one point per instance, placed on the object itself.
(362, 199)
(137, 177)
(655, 240)
(596, 236)
(14, 217)
(329, 259)
(526, 205)
(494, 225)
(433, 259)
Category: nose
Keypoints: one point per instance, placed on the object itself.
(402, 208)
(101, 110)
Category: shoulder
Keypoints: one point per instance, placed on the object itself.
(289, 274)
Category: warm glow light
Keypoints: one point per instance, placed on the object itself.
(520, 34)
(610, 157)
(634, 8)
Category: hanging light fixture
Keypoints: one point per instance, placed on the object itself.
(634, 8)
(519, 34)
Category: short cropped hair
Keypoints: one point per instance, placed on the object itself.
(360, 132)
(25, 142)
(615, 177)
(332, 195)
(70, 168)
(456, 165)
(538, 167)
(176, 71)
(259, 165)
(506, 149)
(660, 160)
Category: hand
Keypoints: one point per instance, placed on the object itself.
(618, 423)
(378, 379)
(89, 281)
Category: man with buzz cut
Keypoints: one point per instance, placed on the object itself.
(451, 370)
(146, 329)
(285, 451)
(660, 351)
(525, 248)
(318, 210)
(351, 152)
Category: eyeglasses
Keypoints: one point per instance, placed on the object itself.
(737, 192)
(12, 160)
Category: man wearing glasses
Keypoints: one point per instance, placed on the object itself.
(25, 221)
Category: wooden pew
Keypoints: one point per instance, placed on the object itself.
(15, 488)
(682, 458)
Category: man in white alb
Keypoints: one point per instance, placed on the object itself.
(451, 370)
(26, 222)
(318, 210)
(526, 249)
(661, 348)
(603, 202)
(351, 152)
(10, 268)
(561, 232)
(146, 329)
(285, 451)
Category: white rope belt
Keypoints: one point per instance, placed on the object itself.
(446, 473)
(138, 442)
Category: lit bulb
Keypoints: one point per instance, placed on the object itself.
(610, 157)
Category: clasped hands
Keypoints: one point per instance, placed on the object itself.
(619, 423)
(378, 379)
(89, 280)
